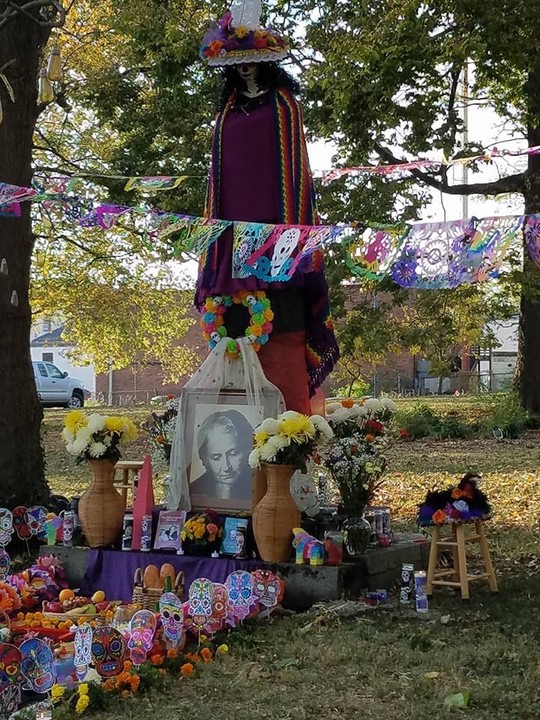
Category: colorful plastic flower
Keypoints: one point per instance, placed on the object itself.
(439, 517)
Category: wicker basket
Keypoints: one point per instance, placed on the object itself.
(148, 597)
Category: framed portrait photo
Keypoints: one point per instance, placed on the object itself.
(218, 441)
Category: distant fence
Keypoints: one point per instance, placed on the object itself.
(121, 398)
(462, 383)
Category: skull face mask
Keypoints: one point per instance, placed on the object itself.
(283, 249)
(219, 610)
(201, 592)
(37, 665)
(5, 563)
(36, 516)
(141, 635)
(240, 587)
(83, 650)
(268, 588)
(20, 523)
(10, 665)
(6, 526)
(172, 618)
(108, 650)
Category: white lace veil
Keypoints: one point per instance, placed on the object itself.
(216, 374)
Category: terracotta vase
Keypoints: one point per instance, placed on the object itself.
(101, 508)
(276, 515)
(258, 486)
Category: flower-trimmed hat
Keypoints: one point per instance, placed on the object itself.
(238, 38)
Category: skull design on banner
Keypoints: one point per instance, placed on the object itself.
(83, 650)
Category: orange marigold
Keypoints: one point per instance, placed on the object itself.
(125, 694)
(109, 684)
(135, 682)
(128, 666)
(193, 657)
(348, 403)
(172, 653)
(439, 517)
(187, 670)
(457, 493)
(156, 660)
(207, 655)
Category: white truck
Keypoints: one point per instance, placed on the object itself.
(55, 387)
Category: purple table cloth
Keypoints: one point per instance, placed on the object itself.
(112, 570)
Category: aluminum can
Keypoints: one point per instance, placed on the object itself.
(407, 584)
(379, 521)
(146, 533)
(420, 591)
(68, 528)
(384, 534)
(127, 531)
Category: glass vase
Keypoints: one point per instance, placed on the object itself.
(356, 535)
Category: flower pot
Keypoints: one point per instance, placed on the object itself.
(276, 515)
(101, 508)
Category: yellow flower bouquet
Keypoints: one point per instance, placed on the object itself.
(96, 437)
(289, 439)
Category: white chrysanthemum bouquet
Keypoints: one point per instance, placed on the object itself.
(289, 439)
(96, 437)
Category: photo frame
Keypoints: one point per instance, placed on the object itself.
(218, 439)
(234, 537)
(168, 530)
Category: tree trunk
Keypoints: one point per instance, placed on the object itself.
(22, 479)
(528, 370)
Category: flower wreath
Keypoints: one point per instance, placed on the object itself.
(260, 319)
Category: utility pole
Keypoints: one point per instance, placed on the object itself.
(465, 116)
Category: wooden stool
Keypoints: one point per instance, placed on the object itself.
(457, 541)
(130, 470)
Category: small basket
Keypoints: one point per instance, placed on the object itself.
(148, 597)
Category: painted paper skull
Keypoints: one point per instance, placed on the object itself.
(83, 650)
(200, 596)
(269, 589)
(241, 599)
(108, 650)
(172, 618)
(36, 516)
(10, 699)
(283, 249)
(141, 635)
(219, 610)
(37, 665)
(5, 563)
(20, 523)
(6, 526)
(10, 665)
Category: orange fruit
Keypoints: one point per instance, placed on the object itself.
(66, 594)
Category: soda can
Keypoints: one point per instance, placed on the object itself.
(407, 584)
(146, 533)
(127, 531)
(68, 528)
(384, 535)
(379, 521)
(420, 591)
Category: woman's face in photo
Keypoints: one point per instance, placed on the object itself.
(224, 457)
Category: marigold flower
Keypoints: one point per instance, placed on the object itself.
(207, 655)
(83, 689)
(135, 682)
(125, 694)
(128, 666)
(172, 653)
(82, 704)
(370, 438)
(222, 649)
(57, 691)
(156, 660)
(439, 517)
(187, 670)
(109, 684)
(348, 403)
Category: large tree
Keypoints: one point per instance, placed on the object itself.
(24, 30)
(384, 85)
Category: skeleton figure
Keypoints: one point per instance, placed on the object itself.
(37, 665)
(141, 635)
(6, 526)
(283, 249)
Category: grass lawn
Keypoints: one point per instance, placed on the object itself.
(389, 663)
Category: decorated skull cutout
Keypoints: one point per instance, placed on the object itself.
(6, 526)
(172, 618)
(219, 610)
(37, 665)
(10, 665)
(141, 635)
(283, 249)
(5, 563)
(36, 518)
(83, 650)
(240, 587)
(268, 588)
(201, 593)
(20, 523)
(108, 650)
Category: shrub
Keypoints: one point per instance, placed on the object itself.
(451, 426)
(506, 415)
(420, 421)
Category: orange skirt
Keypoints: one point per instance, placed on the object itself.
(283, 359)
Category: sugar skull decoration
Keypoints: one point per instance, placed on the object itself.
(108, 650)
(172, 619)
(20, 523)
(10, 665)
(37, 665)
(268, 589)
(142, 628)
(217, 619)
(241, 598)
(36, 516)
(10, 699)
(200, 597)
(83, 650)
(6, 526)
(5, 564)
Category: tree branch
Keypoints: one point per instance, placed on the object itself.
(13, 9)
(509, 184)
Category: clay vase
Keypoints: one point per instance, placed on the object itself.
(258, 486)
(101, 508)
(276, 515)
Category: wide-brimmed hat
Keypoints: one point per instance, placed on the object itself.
(239, 38)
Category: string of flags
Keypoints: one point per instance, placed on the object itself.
(419, 255)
